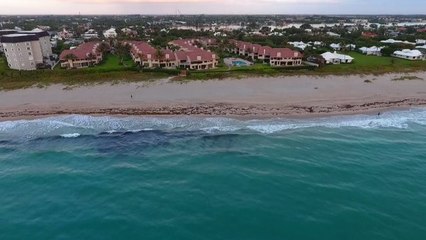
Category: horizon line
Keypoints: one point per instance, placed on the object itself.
(220, 14)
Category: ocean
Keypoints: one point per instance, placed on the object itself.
(83, 177)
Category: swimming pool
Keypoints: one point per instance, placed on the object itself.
(237, 62)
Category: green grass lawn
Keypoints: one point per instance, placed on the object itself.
(112, 62)
(3, 64)
(110, 70)
(374, 65)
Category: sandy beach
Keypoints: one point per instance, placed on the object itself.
(252, 97)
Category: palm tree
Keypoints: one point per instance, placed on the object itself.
(70, 58)
(91, 56)
(159, 53)
(141, 57)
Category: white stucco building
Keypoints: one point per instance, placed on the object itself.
(336, 58)
(25, 49)
(110, 33)
(375, 51)
(408, 54)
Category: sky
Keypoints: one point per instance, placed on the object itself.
(14, 7)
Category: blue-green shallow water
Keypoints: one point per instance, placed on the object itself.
(80, 177)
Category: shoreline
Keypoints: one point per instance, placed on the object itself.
(290, 97)
(229, 111)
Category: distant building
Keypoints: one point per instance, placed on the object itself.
(375, 51)
(336, 58)
(369, 35)
(110, 33)
(299, 45)
(65, 34)
(420, 41)
(25, 50)
(393, 41)
(129, 32)
(85, 55)
(90, 34)
(421, 47)
(336, 46)
(408, 54)
(332, 34)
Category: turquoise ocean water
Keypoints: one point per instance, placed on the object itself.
(81, 177)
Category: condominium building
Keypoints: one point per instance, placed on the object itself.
(24, 50)
(85, 55)
(193, 57)
(274, 56)
(5, 32)
(147, 56)
(189, 56)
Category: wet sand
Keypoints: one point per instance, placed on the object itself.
(252, 97)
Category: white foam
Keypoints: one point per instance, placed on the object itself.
(71, 135)
(88, 125)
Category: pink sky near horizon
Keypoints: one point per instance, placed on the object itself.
(14, 7)
(152, 6)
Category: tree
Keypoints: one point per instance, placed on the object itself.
(306, 26)
(159, 53)
(388, 51)
(374, 26)
(103, 47)
(122, 51)
(70, 58)
(91, 56)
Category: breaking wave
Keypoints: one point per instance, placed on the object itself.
(72, 126)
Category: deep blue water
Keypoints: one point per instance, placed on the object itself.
(81, 177)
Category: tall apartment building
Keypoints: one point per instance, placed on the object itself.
(5, 32)
(25, 49)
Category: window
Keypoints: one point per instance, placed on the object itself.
(28, 48)
(29, 53)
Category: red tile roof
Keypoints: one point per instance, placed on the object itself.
(82, 52)
(200, 55)
(284, 53)
(190, 52)
(369, 35)
(266, 50)
(145, 49)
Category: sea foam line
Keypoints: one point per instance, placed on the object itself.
(77, 125)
